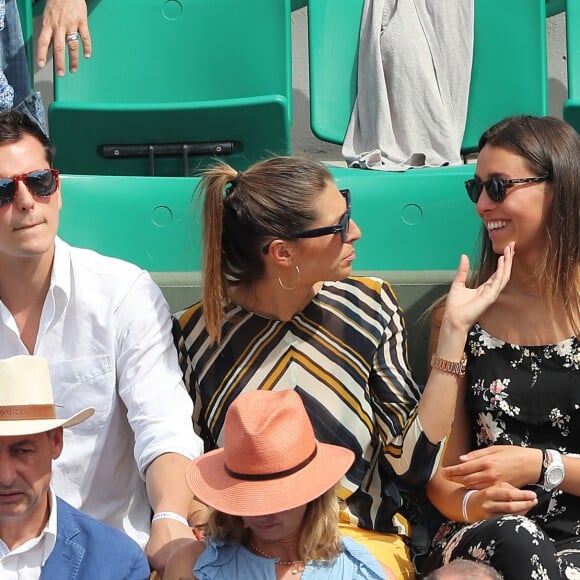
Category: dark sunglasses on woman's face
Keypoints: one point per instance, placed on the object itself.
(496, 187)
(341, 227)
(42, 183)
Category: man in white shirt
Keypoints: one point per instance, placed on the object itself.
(41, 536)
(105, 329)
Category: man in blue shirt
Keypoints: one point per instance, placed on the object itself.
(41, 536)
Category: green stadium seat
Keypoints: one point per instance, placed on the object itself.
(173, 85)
(572, 105)
(427, 219)
(151, 222)
(297, 4)
(555, 7)
(406, 226)
(509, 74)
(154, 222)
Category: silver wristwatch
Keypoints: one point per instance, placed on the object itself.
(553, 470)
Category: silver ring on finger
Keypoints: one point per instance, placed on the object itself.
(72, 36)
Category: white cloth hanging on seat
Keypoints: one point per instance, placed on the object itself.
(414, 70)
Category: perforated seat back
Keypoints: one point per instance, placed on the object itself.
(172, 72)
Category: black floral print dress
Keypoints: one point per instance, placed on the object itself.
(528, 396)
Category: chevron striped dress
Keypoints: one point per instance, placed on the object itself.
(345, 353)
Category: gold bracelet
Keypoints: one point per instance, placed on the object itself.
(447, 366)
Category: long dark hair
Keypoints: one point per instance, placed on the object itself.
(550, 147)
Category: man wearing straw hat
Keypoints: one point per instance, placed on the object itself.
(41, 536)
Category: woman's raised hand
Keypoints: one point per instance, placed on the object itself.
(465, 305)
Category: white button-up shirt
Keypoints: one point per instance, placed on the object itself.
(25, 562)
(105, 329)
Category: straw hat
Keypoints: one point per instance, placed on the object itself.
(270, 461)
(26, 403)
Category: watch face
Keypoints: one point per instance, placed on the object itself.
(554, 475)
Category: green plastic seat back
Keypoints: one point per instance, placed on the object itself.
(555, 6)
(415, 220)
(509, 73)
(152, 222)
(173, 72)
(572, 104)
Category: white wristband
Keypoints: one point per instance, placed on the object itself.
(170, 516)
(465, 502)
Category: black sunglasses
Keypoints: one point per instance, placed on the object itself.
(341, 227)
(496, 187)
(42, 183)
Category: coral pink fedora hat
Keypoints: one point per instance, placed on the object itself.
(270, 462)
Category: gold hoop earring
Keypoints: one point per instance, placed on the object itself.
(289, 288)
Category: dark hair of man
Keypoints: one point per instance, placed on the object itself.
(14, 125)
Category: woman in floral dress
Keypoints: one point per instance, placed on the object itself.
(511, 482)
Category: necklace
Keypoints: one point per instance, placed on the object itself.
(521, 291)
(298, 564)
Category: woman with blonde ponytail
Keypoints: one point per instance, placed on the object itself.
(281, 310)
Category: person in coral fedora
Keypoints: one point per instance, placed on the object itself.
(272, 490)
(41, 536)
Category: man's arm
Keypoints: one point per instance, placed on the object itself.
(159, 410)
(168, 492)
(59, 19)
